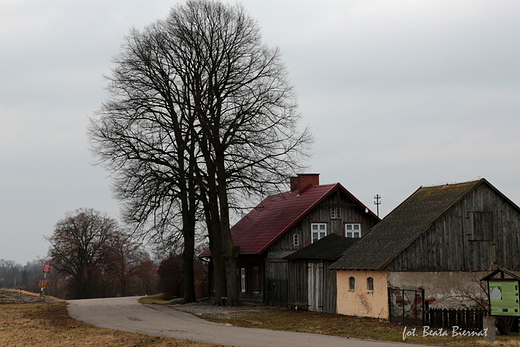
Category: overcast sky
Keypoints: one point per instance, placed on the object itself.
(399, 94)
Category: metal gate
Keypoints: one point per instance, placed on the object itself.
(406, 306)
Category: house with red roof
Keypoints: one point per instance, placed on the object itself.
(287, 222)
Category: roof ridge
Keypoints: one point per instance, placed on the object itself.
(451, 183)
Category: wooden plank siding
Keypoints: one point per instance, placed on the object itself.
(298, 286)
(254, 267)
(276, 283)
(350, 213)
(329, 289)
(297, 275)
(479, 233)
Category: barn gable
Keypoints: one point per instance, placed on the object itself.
(452, 227)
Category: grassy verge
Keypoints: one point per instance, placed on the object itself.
(48, 324)
(157, 299)
(346, 326)
(364, 328)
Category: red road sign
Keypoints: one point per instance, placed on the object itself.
(46, 267)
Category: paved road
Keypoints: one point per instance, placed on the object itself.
(128, 315)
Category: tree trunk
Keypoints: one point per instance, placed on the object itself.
(215, 245)
(187, 266)
(230, 252)
(210, 201)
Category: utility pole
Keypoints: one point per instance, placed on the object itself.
(377, 202)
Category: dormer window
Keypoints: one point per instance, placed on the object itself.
(335, 213)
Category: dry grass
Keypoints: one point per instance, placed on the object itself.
(48, 324)
(157, 299)
(37, 323)
(364, 328)
(22, 296)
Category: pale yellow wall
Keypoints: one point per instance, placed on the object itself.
(361, 301)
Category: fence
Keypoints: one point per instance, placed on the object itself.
(466, 319)
(409, 307)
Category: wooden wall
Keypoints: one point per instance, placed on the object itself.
(479, 233)
(350, 213)
(289, 284)
(249, 264)
(276, 293)
(299, 286)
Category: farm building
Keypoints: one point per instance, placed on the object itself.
(311, 285)
(441, 239)
(285, 223)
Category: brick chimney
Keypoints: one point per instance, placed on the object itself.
(298, 184)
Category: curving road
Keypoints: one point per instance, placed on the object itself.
(128, 315)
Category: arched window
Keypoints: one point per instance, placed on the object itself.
(370, 283)
(352, 283)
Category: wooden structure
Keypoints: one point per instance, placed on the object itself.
(285, 223)
(436, 239)
(311, 285)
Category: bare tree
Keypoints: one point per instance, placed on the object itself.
(124, 261)
(200, 110)
(79, 246)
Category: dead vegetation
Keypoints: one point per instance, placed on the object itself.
(30, 321)
(9, 296)
(267, 317)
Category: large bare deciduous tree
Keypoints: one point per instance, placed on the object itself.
(79, 246)
(200, 111)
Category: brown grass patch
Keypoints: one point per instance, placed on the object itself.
(48, 324)
(348, 326)
(157, 299)
(21, 296)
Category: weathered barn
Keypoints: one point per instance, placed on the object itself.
(435, 240)
(287, 222)
(311, 285)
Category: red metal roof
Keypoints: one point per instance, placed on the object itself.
(268, 221)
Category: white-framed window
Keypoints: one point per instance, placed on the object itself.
(318, 231)
(352, 230)
(335, 213)
(243, 280)
(296, 240)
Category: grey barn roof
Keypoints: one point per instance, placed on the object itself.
(403, 225)
(328, 248)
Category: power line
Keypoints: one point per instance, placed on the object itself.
(377, 202)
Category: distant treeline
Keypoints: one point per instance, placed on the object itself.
(26, 277)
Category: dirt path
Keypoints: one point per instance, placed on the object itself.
(128, 315)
